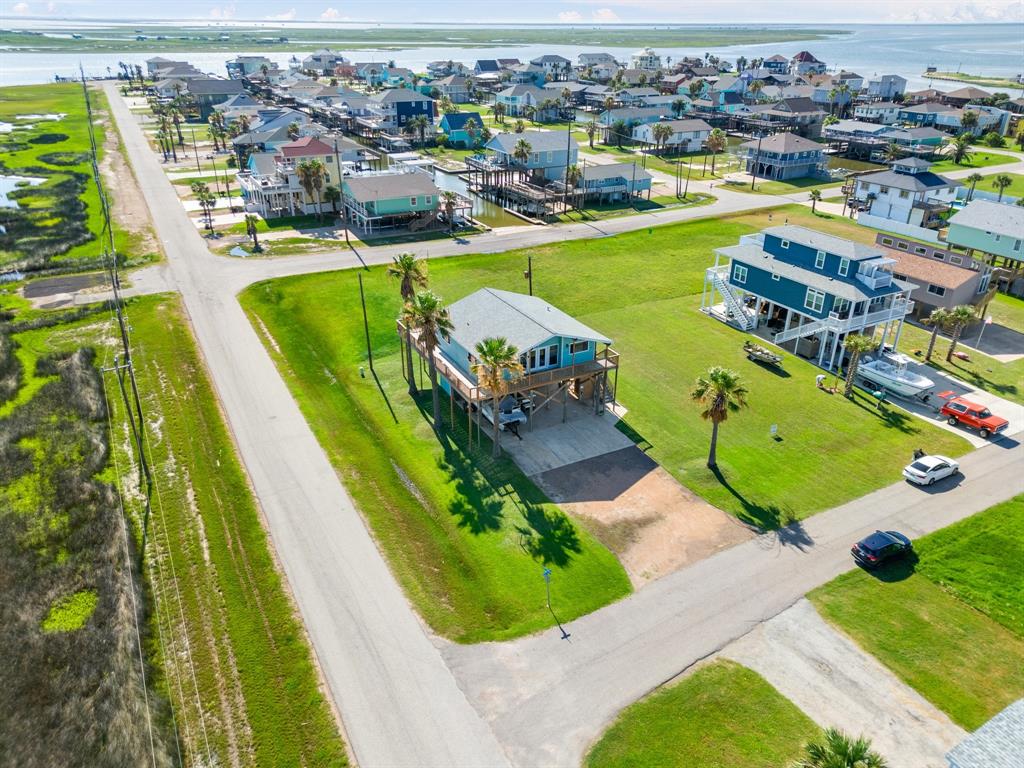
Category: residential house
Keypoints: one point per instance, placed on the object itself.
(592, 59)
(558, 67)
(397, 77)
(800, 113)
(918, 140)
(376, 201)
(784, 156)
(999, 743)
(907, 198)
(918, 97)
(561, 357)
(993, 228)
(885, 87)
(598, 66)
(613, 182)
(323, 62)
(949, 118)
(171, 88)
(964, 96)
(632, 77)
(210, 92)
(777, 64)
(631, 97)
(729, 102)
(394, 108)
(182, 71)
(676, 82)
(594, 96)
(519, 100)
(632, 116)
(248, 66)
(156, 63)
(809, 290)
(458, 88)
(271, 185)
(804, 63)
(527, 74)
(687, 135)
(577, 91)
(484, 66)
(766, 76)
(453, 125)
(942, 278)
(885, 112)
(438, 69)
(374, 74)
(826, 94)
(668, 102)
(874, 137)
(550, 152)
(645, 59)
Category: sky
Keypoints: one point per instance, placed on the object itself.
(576, 12)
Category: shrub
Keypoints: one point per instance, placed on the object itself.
(64, 158)
(993, 139)
(49, 138)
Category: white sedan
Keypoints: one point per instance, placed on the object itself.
(928, 469)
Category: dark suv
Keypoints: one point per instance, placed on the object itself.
(873, 550)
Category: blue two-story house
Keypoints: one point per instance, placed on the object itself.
(547, 153)
(560, 355)
(396, 107)
(806, 288)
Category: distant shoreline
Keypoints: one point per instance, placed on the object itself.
(979, 80)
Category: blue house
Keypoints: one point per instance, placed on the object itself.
(398, 106)
(549, 152)
(784, 156)
(806, 288)
(453, 125)
(561, 356)
(614, 182)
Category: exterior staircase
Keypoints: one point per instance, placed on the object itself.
(738, 313)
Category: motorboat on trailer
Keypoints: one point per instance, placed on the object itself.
(891, 371)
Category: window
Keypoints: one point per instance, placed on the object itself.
(903, 246)
(1016, 245)
(814, 300)
(536, 158)
(884, 190)
(903, 194)
(413, 200)
(936, 290)
(844, 267)
(997, 237)
(775, 277)
(578, 346)
(553, 354)
(841, 305)
(955, 259)
(920, 249)
(886, 241)
(739, 273)
(819, 260)
(785, 243)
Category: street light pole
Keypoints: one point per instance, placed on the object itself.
(195, 149)
(757, 156)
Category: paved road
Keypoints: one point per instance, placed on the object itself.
(407, 698)
(400, 704)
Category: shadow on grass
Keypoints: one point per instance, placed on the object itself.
(886, 412)
(641, 442)
(764, 518)
(973, 377)
(778, 370)
(548, 535)
(895, 570)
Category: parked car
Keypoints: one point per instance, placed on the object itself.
(873, 550)
(974, 416)
(927, 469)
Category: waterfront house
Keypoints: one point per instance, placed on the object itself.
(632, 97)
(550, 152)
(397, 77)
(372, 73)
(453, 125)
(599, 66)
(377, 201)
(885, 112)
(963, 96)
(458, 88)
(687, 135)
(633, 116)
(885, 87)
(393, 109)
(777, 64)
(949, 118)
(807, 290)
(248, 66)
(558, 67)
(992, 228)
(519, 100)
(444, 68)
(942, 278)
(208, 93)
(270, 183)
(156, 63)
(799, 113)
(613, 182)
(485, 66)
(323, 62)
(645, 59)
(784, 156)
(527, 74)
(170, 88)
(906, 198)
(577, 92)
(804, 63)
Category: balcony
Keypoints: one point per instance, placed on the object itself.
(875, 280)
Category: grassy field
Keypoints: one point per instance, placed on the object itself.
(611, 210)
(950, 625)
(225, 645)
(723, 715)
(981, 157)
(979, 80)
(58, 222)
(1008, 311)
(1016, 189)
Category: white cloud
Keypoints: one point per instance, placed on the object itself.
(605, 14)
(963, 13)
(20, 9)
(223, 12)
(331, 14)
(568, 17)
(288, 15)
(51, 7)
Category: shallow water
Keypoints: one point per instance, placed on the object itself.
(10, 183)
(484, 211)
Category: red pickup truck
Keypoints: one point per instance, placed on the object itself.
(961, 411)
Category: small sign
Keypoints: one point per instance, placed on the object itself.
(773, 430)
(547, 574)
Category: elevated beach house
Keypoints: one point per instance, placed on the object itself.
(907, 198)
(784, 156)
(561, 357)
(990, 228)
(548, 153)
(376, 201)
(806, 290)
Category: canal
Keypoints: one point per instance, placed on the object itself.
(484, 211)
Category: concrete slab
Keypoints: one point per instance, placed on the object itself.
(838, 684)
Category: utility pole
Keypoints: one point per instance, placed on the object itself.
(195, 149)
(366, 323)
(568, 160)
(528, 274)
(686, 189)
(757, 156)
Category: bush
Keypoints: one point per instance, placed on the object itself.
(993, 139)
(49, 138)
(64, 158)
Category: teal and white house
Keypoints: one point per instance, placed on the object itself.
(993, 228)
(807, 290)
(387, 200)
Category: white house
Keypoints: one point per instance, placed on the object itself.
(645, 59)
(885, 112)
(687, 135)
(885, 87)
(907, 199)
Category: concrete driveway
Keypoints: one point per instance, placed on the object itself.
(839, 685)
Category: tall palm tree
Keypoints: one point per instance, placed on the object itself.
(448, 200)
(973, 180)
(410, 272)
(609, 102)
(755, 89)
(522, 150)
(430, 318)
(591, 129)
(251, 222)
(497, 364)
(472, 129)
(333, 196)
(815, 196)
(938, 319)
(832, 94)
(857, 345)
(959, 318)
(619, 129)
(1001, 182)
(719, 392)
(844, 91)
(838, 750)
(573, 175)
(530, 113)
(960, 148)
(499, 112)
(893, 152)
(420, 123)
(716, 142)
(177, 118)
(311, 179)
(678, 107)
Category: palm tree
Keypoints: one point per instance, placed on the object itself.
(838, 750)
(719, 392)
(893, 152)
(815, 196)
(843, 90)
(311, 179)
(448, 200)
(959, 318)
(1001, 182)
(960, 146)
(973, 180)
(832, 94)
(497, 363)
(499, 112)
(430, 318)
(251, 222)
(530, 113)
(522, 151)
(716, 142)
(177, 118)
(938, 319)
(609, 102)
(662, 133)
(856, 345)
(591, 129)
(472, 129)
(520, 126)
(695, 88)
(293, 131)
(333, 196)
(755, 88)
(410, 272)
(969, 120)
(619, 129)
(573, 175)
(419, 124)
(243, 123)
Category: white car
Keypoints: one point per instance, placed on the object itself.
(928, 469)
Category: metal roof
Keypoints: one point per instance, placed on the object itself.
(524, 321)
(539, 141)
(915, 182)
(1002, 218)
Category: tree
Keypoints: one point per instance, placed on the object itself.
(573, 175)
(969, 120)
(695, 87)
(419, 124)
(207, 201)
(716, 142)
(426, 314)
(591, 129)
(662, 132)
(311, 179)
(959, 318)
(678, 107)
(530, 113)
(719, 392)
(251, 222)
(410, 272)
(755, 89)
(993, 139)
(960, 148)
(938, 319)
(832, 94)
(448, 200)
(837, 750)
(499, 112)
(609, 103)
(177, 118)
(333, 196)
(472, 129)
(619, 129)
(1001, 182)
(497, 364)
(815, 196)
(521, 151)
(520, 126)
(857, 345)
(844, 92)
(973, 180)
(741, 63)
(293, 131)
(893, 152)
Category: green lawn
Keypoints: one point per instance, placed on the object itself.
(981, 157)
(211, 576)
(1016, 189)
(659, 203)
(50, 228)
(1008, 311)
(791, 186)
(951, 625)
(723, 715)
